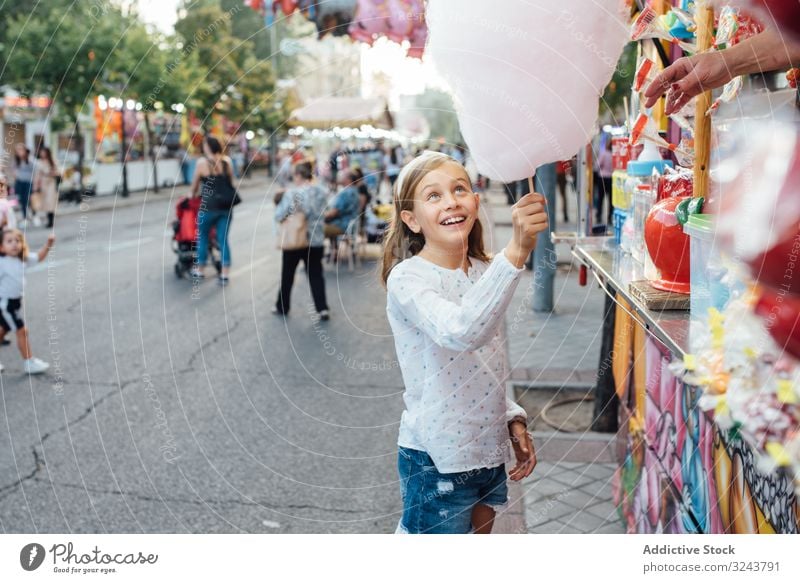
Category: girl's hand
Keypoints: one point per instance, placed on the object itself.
(523, 451)
(528, 218)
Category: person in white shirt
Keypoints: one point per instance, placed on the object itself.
(14, 257)
(446, 302)
(8, 220)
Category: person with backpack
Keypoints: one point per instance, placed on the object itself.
(213, 183)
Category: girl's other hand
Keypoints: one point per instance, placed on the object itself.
(524, 451)
(528, 218)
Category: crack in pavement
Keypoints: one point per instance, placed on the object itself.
(39, 463)
(215, 338)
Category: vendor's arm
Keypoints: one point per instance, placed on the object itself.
(767, 51)
(467, 326)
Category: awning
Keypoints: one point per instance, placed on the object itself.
(347, 112)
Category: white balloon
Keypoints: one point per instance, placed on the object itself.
(526, 75)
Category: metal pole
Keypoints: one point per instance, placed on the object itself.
(123, 149)
(544, 256)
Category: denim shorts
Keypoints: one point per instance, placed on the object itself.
(437, 503)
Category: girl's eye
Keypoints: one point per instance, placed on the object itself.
(460, 188)
(434, 196)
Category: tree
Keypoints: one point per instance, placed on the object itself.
(62, 49)
(437, 107)
(620, 84)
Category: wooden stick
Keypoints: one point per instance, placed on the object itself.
(530, 184)
(702, 123)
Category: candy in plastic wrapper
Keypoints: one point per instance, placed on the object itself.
(729, 93)
(650, 25)
(645, 129)
(645, 74)
(727, 27)
(675, 182)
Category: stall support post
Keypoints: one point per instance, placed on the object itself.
(544, 256)
(702, 123)
(606, 403)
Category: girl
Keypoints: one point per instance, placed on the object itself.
(13, 260)
(446, 302)
(45, 182)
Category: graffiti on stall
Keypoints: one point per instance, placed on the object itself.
(751, 501)
(678, 474)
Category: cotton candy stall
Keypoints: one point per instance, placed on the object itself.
(526, 76)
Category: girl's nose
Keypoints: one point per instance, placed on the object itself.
(450, 200)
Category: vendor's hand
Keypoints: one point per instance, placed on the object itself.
(524, 451)
(688, 77)
(528, 218)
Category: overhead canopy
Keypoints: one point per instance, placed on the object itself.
(346, 112)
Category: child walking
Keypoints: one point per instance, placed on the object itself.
(14, 257)
(446, 301)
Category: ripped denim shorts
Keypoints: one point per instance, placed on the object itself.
(437, 503)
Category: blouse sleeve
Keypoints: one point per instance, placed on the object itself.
(514, 411)
(284, 208)
(457, 327)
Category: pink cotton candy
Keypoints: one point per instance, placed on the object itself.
(526, 76)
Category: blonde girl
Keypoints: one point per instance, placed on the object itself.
(14, 257)
(446, 301)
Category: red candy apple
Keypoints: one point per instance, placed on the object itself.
(668, 246)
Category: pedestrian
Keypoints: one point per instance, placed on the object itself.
(391, 162)
(46, 178)
(602, 188)
(14, 258)
(562, 167)
(23, 178)
(213, 183)
(343, 209)
(310, 199)
(446, 303)
(8, 220)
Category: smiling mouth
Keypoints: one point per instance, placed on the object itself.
(453, 220)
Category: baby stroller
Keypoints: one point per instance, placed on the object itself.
(184, 241)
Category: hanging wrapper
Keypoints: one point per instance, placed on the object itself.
(650, 25)
(733, 27)
(645, 74)
(645, 129)
(729, 93)
(398, 20)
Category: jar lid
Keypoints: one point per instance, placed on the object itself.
(646, 167)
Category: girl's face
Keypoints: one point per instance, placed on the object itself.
(12, 245)
(445, 208)
(20, 150)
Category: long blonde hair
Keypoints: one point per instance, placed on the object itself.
(23, 251)
(401, 242)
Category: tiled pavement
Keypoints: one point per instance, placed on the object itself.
(570, 491)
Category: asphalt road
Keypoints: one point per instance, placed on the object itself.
(178, 408)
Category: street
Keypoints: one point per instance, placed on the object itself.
(173, 407)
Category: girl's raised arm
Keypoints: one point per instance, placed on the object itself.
(456, 327)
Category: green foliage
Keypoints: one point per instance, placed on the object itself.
(437, 107)
(620, 85)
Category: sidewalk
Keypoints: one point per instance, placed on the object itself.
(113, 201)
(553, 356)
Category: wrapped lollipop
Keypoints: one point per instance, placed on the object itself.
(645, 129)
(650, 25)
(729, 93)
(645, 74)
